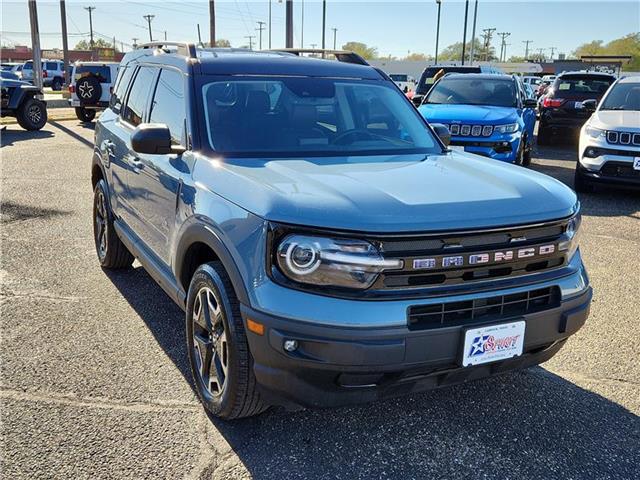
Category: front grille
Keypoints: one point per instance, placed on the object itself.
(453, 259)
(620, 170)
(451, 314)
(623, 138)
(470, 130)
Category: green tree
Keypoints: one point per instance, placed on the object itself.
(98, 43)
(627, 45)
(453, 52)
(221, 43)
(418, 57)
(361, 49)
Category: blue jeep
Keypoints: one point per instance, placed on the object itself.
(326, 246)
(487, 114)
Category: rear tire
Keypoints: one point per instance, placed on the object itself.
(85, 114)
(580, 183)
(221, 363)
(543, 135)
(112, 253)
(56, 84)
(32, 114)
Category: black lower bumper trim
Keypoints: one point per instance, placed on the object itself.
(334, 366)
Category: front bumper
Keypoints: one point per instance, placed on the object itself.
(337, 365)
(499, 147)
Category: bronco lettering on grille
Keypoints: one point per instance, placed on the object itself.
(484, 258)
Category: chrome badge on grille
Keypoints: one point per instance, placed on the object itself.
(484, 258)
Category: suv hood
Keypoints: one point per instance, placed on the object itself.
(408, 193)
(469, 113)
(616, 120)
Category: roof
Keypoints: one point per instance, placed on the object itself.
(480, 76)
(233, 61)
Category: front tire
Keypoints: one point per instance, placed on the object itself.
(85, 114)
(32, 114)
(526, 157)
(221, 363)
(112, 253)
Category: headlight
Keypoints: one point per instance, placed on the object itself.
(335, 262)
(594, 132)
(572, 236)
(510, 128)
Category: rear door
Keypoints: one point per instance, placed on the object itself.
(156, 179)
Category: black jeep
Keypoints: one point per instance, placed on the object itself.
(19, 99)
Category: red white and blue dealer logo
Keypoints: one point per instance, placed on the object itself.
(488, 343)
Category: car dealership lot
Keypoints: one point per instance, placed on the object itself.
(95, 379)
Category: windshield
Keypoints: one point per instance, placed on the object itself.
(470, 90)
(624, 96)
(428, 77)
(312, 116)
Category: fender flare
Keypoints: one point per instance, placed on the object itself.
(201, 233)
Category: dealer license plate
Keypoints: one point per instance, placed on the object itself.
(578, 106)
(457, 148)
(493, 343)
(636, 163)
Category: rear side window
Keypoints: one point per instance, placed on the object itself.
(102, 72)
(51, 66)
(28, 66)
(168, 105)
(134, 111)
(122, 83)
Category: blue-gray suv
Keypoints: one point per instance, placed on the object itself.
(326, 245)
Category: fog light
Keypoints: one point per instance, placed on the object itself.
(290, 345)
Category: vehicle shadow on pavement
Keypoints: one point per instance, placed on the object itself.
(529, 424)
(14, 134)
(74, 135)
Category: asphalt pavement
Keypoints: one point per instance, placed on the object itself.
(95, 381)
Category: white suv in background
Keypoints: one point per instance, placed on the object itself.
(52, 73)
(91, 86)
(405, 82)
(609, 149)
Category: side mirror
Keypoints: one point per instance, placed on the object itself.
(530, 103)
(590, 105)
(154, 139)
(443, 133)
(417, 100)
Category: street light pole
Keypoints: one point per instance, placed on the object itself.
(212, 24)
(335, 32)
(464, 36)
(148, 18)
(439, 2)
(473, 35)
(289, 24)
(324, 22)
(65, 44)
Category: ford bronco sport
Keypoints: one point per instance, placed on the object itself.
(326, 246)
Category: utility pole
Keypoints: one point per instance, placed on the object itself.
(148, 18)
(324, 21)
(503, 35)
(302, 26)
(464, 36)
(199, 36)
(165, 35)
(488, 33)
(526, 48)
(541, 54)
(439, 2)
(35, 44)
(65, 44)
(553, 50)
(91, 43)
(261, 27)
(250, 37)
(289, 24)
(473, 35)
(135, 42)
(335, 32)
(212, 24)
(269, 24)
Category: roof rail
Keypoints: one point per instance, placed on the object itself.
(184, 48)
(344, 56)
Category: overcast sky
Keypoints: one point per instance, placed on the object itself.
(394, 27)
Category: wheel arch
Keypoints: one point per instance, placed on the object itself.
(200, 244)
